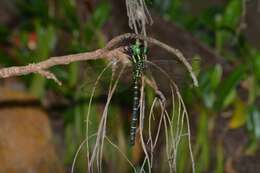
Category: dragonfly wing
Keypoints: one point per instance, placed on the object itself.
(99, 76)
(174, 70)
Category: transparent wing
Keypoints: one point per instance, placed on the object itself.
(164, 70)
(100, 75)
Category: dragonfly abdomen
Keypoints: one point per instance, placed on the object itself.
(135, 111)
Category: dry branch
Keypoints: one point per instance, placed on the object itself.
(60, 60)
(112, 50)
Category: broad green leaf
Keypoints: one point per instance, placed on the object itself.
(204, 79)
(216, 76)
(101, 15)
(202, 148)
(239, 115)
(228, 23)
(208, 82)
(231, 17)
(224, 91)
(229, 98)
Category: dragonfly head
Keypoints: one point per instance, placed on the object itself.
(138, 49)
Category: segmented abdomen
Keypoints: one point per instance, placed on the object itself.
(135, 111)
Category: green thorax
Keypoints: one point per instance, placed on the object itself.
(138, 52)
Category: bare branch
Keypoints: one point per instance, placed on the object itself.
(171, 50)
(108, 52)
(60, 60)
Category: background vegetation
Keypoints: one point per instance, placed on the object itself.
(225, 101)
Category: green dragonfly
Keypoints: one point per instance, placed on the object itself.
(138, 53)
(140, 66)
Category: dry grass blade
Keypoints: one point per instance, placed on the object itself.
(98, 147)
(89, 109)
(78, 151)
(125, 157)
(181, 115)
(138, 15)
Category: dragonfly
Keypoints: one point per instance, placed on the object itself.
(138, 53)
(139, 67)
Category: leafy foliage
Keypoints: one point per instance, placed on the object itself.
(40, 32)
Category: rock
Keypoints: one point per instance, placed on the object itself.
(26, 144)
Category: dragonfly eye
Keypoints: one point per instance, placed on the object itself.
(136, 51)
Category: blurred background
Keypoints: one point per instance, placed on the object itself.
(43, 124)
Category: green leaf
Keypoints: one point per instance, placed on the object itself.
(231, 17)
(227, 24)
(208, 82)
(253, 122)
(46, 39)
(256, 65)
(73, 74)
(101, 15)
(220, 158)
(69, 11)
(230, 97)
(202, 147)
(228, 86)
(216, 76)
